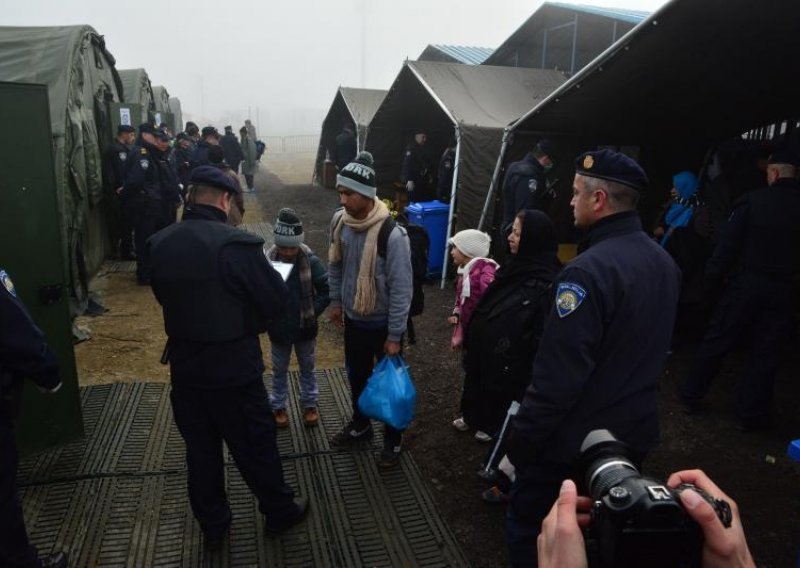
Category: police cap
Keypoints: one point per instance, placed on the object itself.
(147, 128)
(162, 135)
(182, 136)
(784, 156)
(612, 166)
(213, 177)
(125, 129)
(546, 147)
(209, 131)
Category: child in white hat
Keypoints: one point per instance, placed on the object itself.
(475, 273)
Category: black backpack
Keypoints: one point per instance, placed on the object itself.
(419, 244)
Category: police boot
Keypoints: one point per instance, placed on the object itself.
(55, 560)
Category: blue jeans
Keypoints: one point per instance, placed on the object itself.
(281, 355)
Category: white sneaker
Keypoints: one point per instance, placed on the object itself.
(460, 425)
(482, 436)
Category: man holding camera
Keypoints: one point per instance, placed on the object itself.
(600, 357)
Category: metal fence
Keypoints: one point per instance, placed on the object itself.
(292, 144)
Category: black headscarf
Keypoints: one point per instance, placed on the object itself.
(537, 253)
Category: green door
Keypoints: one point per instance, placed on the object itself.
(31, 250)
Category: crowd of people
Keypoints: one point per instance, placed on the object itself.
(577, 347)
(148, 177)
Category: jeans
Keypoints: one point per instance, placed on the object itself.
(281, 355)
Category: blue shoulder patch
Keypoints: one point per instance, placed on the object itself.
(568, 297)
(7, 283)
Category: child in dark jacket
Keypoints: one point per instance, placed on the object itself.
(308, 298)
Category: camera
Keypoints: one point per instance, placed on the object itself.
(637, 521)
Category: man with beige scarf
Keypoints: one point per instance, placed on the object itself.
(370, 293)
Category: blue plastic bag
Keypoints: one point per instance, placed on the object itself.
(389, 395)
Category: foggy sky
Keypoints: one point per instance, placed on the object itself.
(230, 59)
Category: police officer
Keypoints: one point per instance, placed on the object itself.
(345, 147)
(23, 353)
(232, 149)
(525, 184)
(181, 159)
(759, 251)
(418, 169)
(119, 219)
(210, 138)
(218, 291)
(603, 349)
(143, 194)
(447, 164)
(169, 184)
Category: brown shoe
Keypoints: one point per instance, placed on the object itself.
(311, 416)
(281, 418)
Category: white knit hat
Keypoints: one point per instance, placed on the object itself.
(472, 243)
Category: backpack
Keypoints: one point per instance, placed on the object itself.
(419, 243)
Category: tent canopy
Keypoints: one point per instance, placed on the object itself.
(564, 36)
(79, 72)
(455, 54)
(683, 78)
(175, 109)
(136, 89)
(161, 98)
(674, 87)
(480, 100)
(350, 106)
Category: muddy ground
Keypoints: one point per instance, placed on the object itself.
(753, 468)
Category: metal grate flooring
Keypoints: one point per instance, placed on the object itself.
(118, 496)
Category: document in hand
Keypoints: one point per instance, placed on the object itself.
(283, 268)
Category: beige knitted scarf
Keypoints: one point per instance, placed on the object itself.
(366, 294)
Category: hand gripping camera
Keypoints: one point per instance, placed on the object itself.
(637, 521)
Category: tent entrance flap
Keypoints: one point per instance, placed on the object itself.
(453, 196)
(495, 175)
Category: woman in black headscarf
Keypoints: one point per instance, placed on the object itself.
(506, 326)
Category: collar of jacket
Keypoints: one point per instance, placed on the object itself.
(786, 182)
(611, 226)
(202, 212)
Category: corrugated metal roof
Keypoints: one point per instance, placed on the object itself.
(468, 55)
(631, 16)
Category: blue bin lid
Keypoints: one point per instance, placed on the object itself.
(794, 450)
(427, 207)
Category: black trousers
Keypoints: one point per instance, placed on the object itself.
(148, 218)
(761, 310)
(241, 416)
(363, 347)
(15, 549)
(249, 179)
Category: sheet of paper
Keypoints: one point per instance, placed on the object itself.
(283, 268)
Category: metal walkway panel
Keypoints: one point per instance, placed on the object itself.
(118, 497)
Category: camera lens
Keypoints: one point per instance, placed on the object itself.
(604, 463)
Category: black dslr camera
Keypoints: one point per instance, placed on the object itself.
(637, 521)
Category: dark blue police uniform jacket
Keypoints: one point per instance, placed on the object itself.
(23, 353)
(524, 187)
(199, 357)
(603, 349)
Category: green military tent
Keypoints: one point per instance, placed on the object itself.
(177, 113)
(355, 107)
(78, 70)
(136, 89)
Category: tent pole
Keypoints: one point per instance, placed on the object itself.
(495, 175)
(453, 191)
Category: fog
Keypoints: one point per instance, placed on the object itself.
(280, 63)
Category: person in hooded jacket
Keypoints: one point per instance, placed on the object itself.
(503, 334)
(684, 232)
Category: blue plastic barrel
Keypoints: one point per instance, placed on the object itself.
(433, 216)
